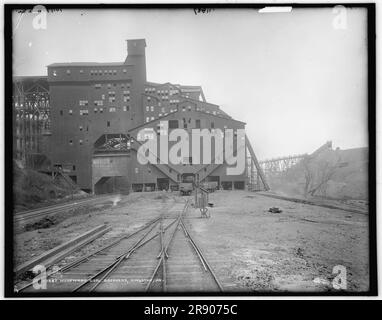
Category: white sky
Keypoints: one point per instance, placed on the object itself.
(292, 77)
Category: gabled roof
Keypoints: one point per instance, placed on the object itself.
(203, 102)
(179, 86)
(211, 104)
(176, 111)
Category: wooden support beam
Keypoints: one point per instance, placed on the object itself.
(257, 165)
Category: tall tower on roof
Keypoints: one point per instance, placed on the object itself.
(136, 47)
(136, 57)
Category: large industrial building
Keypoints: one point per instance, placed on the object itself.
(96, 111)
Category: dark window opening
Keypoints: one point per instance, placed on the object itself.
(197, 124)
(227, 185)
(137, 187)
(173, 124)
(239, 185)
(108, 123)
(61, 113)
(212, 125)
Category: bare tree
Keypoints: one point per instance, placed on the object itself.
(308, 174)
(317, 174)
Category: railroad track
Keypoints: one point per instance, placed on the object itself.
(161, 256)
(27, 216)
(182, 266)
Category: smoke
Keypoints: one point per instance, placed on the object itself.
(116, 200)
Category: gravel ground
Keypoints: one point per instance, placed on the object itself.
(123, 214)
(249, 248)
(294, 250)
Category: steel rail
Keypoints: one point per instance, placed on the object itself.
(59, 205)
(151, 238)
(128, 253)
(97, 251)
(164, 255)
(24, 217)
(123, 256)
(195, 248)
(201, 255)
(119, 261)
(111, 267)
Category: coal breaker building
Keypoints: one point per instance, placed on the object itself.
(97, 114)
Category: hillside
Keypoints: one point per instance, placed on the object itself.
(335, 174)
(33, 189)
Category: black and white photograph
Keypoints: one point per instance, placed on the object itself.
(190, 150)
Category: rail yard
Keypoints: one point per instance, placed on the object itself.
(158, 242)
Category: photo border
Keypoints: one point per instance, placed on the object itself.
(8, 142)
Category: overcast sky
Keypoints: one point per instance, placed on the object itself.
(292, 77)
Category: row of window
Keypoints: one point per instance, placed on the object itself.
(160, 115)
(92, 72)
(149, 119)
(162, 110)
(214, 112)
(100, 110)
(174, 124)
(105, 72)
(98, 103)
(163, 97)
(79, 141)
(109, 85)
(163, 92)
(184, 108)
